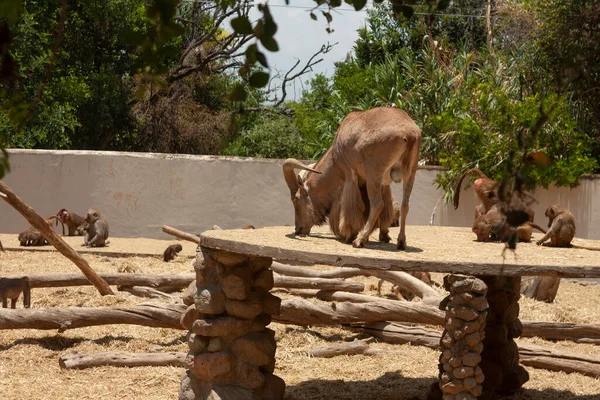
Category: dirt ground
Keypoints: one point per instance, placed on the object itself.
(29, 358)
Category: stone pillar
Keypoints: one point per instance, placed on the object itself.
(231, 350)
(500, 356)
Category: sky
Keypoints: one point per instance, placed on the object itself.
(299, 37)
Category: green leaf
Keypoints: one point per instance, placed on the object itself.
(238, 93)
(359, 4)
(259, 79)
(269, 43)
(270, 27)
(313, 16)
(241, 25)
(431, 3)
(443, 4)
(251, 54)
(262, 59)
(408, 11)
(328, 16)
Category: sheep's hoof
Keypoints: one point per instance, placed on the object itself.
(357, 243)
(384, 237)
(401, 245)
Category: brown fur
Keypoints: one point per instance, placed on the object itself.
(561, 224)
(396, 215)
(171, 252)
(494, 219)
(2, 248)
(11, 288)
(33, 237)
(97, 229)
(73, 222)
(485, 188)
(371, 150)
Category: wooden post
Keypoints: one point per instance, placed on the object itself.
(180, 234)
(38, 222)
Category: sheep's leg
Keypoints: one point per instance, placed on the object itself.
(376, 202)
(408, 178)
(387, 214)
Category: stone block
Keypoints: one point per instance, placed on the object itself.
(471, 359)
(463, 372)
(197, 343)
(213, 366)
(227, 258)
(188, 294)
(264, 280)
(216, 344)
(222, 391)
(464, 313)
(221, 326)
(236, 282)
(191, 388)
(210, 300)
(249, 375)
(274, 388)
(272, 304)
(189, 316)
(257, 348)
(453, 387)
(249, 308)
(259, 263)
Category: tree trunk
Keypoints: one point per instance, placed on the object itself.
(530, 355)
(74, 360)
(294, 282)
(143, 291)
(151, 280)
(541, 288)
(332, 295)
(156, 315)
(403, 280)
(304, 313)
(39, 223)
(181, 234)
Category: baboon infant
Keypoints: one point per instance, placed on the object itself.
(97, 229)
(11, 288)
(73, 221)
(171, 252)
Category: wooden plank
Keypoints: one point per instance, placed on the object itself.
(430, 248)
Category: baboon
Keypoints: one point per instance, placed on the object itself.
(33, 237)
(11, 288)
(493, 226)
(485, 188)
(73, 222)
(171, 252)
(97, 229)
(561, 224)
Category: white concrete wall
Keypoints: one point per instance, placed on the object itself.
(140, 192)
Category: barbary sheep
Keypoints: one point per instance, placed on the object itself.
(350, 184)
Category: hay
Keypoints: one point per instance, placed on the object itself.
(29, 358)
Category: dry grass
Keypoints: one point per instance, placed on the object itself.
(29, 358)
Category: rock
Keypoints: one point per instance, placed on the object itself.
(264, 280)
(210, 300)
(477, 391)
(274, 388)
(259, 263)
(445, 378)
(472, 326)
(209, 274)
(221, 326)
(453, 387)
(188, 294)
(230, 392)
(469, 383)
(445, 356)
(471, 359)
(256, 347)
(216, 344)
(463, 372)
(464, 313)
(515, 329)
(259, 323)
(469, 285)
(249, 375)
(192, 388)
(213, 366)
(480, 303)
(472, 339)
(237, 282)
(189, 316)
(249, 308)
(197, 343)
(272, 304)
(227, 258)
(455, 362)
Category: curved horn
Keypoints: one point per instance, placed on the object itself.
(290, 176)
